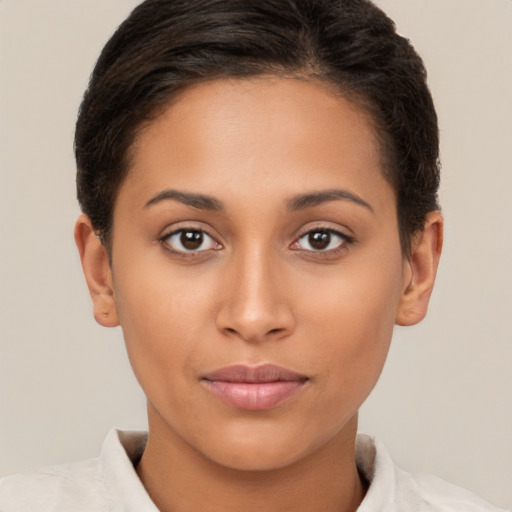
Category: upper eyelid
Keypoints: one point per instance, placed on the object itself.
(323, 228)
(172, 230)
(334, 232)
(337, 231)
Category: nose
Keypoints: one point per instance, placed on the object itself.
(256, 305)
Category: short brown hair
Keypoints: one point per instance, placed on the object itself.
(166, 45)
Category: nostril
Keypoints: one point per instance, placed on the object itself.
(254, 321)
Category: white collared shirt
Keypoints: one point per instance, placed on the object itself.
(110, 483)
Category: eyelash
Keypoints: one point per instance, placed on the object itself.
(345, 240)
(164, 240)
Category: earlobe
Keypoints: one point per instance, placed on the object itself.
(420, 271)
(97, 272)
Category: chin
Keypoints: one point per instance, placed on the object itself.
(257, 458)
(266, 449)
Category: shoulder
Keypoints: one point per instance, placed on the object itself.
(108, 482)
(430, 493)
(392, 489)
(70, 487)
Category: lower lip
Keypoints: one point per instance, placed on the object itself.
(254, 396)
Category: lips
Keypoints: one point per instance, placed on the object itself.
(254, 388)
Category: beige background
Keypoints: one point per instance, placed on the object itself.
(443, 404)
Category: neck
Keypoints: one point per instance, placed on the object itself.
(180, 479)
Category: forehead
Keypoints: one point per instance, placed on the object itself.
(277, 133)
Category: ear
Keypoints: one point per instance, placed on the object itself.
(420, 271)
(97, 272)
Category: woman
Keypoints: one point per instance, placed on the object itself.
(259, 187)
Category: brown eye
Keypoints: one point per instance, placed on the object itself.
(319, 240)
(322, 240)
(190, 241)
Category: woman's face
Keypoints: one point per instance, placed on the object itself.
(255, 228)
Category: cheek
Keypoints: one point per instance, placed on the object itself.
(352, 316)
(352, 339)
(162, 315)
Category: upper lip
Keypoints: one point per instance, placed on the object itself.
(254, 374)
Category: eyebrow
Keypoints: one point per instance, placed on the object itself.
(199, 201)
(300, 202)
(304, 201)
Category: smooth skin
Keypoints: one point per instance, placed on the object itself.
(255, 226)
